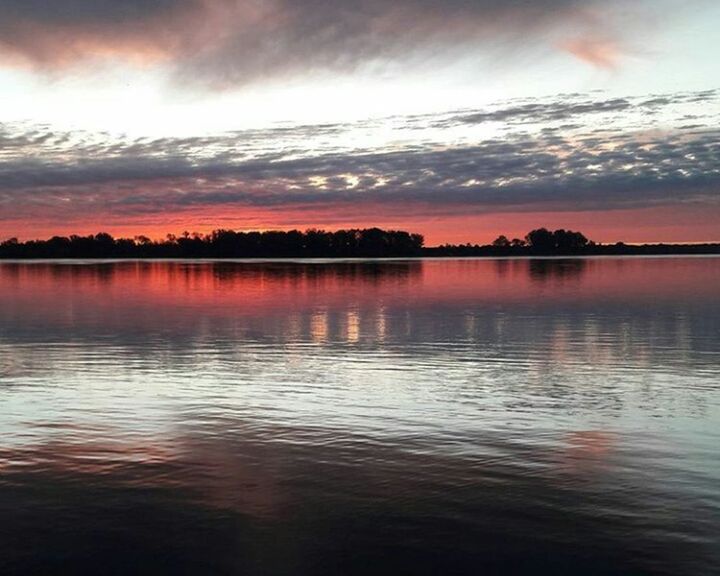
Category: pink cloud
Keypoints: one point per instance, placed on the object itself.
(600, 52)
(231, 42)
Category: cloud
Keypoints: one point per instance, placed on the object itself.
(231, 42)
(600, 52)
(538, 112)
(540, 162)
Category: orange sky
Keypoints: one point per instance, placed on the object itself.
(689, 223)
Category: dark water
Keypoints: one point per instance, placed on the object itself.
(426, 417)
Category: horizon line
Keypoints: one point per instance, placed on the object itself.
(187, 234)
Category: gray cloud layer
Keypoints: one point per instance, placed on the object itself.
(226, 42)
(554, 166)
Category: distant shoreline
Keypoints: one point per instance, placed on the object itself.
(594, 250)
(425, 256)
(319, 244)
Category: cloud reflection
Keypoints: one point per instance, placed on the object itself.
(289, 498)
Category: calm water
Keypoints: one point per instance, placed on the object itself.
(423, 417)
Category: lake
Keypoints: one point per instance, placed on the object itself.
(538, 416)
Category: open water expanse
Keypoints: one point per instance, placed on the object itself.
(556, 416)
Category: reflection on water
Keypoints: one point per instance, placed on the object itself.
(420, 417)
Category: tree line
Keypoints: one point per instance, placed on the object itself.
(544, 242)
(369, 242)
(312, 243)
(540, 241)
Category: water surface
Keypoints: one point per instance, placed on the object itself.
(363, 417)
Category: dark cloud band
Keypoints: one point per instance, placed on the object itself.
(552, 168)
(230, 42)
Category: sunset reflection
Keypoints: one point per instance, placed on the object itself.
(282, 406)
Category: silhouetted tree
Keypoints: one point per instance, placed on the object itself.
(569, 241)
(540, 240)
(501, 242)
(561, 241)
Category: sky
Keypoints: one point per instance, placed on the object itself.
(461, 119)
